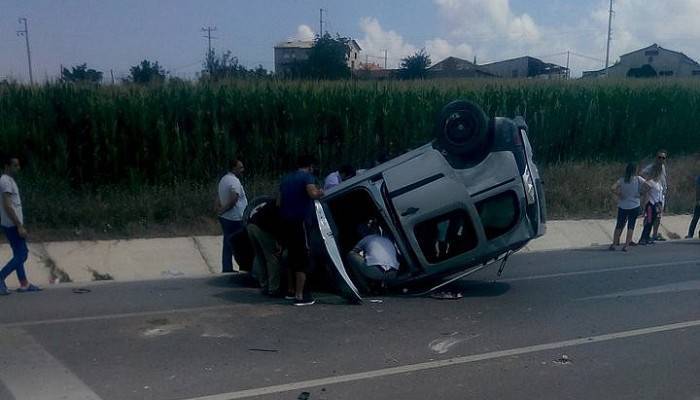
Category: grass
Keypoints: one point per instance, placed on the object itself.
(171, 133)
(133, 161)
(54, 211)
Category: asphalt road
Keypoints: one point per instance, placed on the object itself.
(579, 324)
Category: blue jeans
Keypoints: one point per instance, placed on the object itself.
(229, 228)
(20, 252)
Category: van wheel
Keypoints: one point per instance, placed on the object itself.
(462, 129)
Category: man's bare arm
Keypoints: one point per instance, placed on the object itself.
(9, 209)
(230, 204)
(314, 192)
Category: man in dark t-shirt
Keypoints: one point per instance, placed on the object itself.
(298, 191)
(696, 211)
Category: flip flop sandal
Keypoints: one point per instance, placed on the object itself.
(30, 288)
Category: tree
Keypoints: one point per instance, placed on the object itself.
(226, 66)
(328, 58)
(415, 66)
(81, 73)
(146, 72)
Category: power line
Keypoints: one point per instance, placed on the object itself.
(320, 32)
(25, 33)
(607, 50)
(209, 30)
(208, 36)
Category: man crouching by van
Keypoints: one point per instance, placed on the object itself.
(373, 261)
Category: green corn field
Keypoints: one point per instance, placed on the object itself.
(183, 131)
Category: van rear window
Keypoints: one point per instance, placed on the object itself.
(499, 214)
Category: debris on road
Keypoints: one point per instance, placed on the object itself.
(304, 396)
(376, 301)
(264, 350)
(563, 360)
(447, 295)
(81, 291)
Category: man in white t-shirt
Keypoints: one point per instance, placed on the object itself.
(12, 221)
(232, 205)
(373, 261)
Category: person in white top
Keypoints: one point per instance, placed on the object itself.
(341, 175)
(652, 205)
(628, 191)
(373, 260)
(232, 202)
(12, 221)
(647, 172)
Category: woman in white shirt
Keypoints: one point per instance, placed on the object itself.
(653, 204)
(628, 190)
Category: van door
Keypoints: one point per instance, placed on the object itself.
(345, 285)
(433, 208)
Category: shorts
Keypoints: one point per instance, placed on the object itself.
(295, 239)
(629, 216)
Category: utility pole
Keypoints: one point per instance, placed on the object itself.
(25, 33)
(568, 72)
(320, 32)
(111, 72)
(607, 50)
(208, 36)
(385, 58)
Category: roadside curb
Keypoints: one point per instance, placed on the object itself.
(145, 259)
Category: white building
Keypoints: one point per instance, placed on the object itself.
(650, 62)
(289, 55)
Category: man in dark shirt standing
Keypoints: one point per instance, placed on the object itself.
(298, 191)
(696, 211)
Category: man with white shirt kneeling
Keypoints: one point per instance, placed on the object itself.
(373, 261)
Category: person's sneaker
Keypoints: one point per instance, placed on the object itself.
(306, 301)
(289, 296)
(660, 238)
(689, 237)
(3, 289)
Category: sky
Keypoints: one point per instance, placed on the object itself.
(114, 35)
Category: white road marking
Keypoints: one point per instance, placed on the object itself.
(30, 372)
(669, 288)
(267, 390)
(227, 306)
(602, 270)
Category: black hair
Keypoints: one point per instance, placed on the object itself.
(305, 161)
(347, 170)
(7, 159)
(630, 170)
(233, 163)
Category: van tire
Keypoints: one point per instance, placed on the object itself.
(462, 129)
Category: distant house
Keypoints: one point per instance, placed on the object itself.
(525, 67)
(353, 52)
(290, 54)
(453, 67)
(650, 61)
